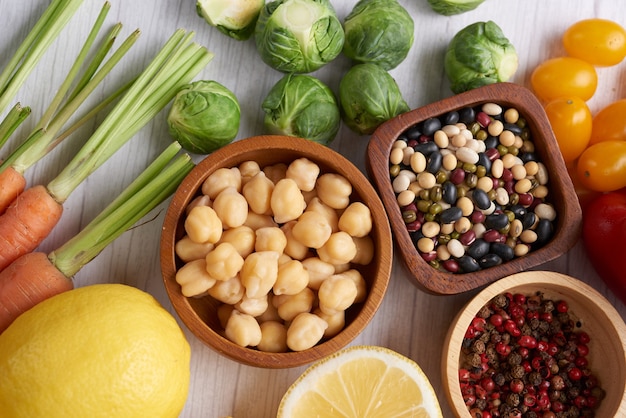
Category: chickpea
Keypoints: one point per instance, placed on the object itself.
(202, 200)
(336, 322)
(306, 330)
(241, 237)
(337, 293)
(364, 250)
(287, 202)
(273, 337)
(231, 207)
(289, 306)
(292, 278)
(271, 313)
(248, 169)
(356, 220)
(275, 172)
(243, 329)
(223, 262)
(258, 191)
(221, 179)
(359, 281)
(270, 238)
(256, 221)
(229, 291)
(334, 190)
(194, 279)
(318, 271)
(304, 172)
(187, 250)
(308, 196)
(202, 225)
(223, 313)
(312, 229)
(252, 306)
(294, 249)
(316, 205)
(259, 273)
(339, 249)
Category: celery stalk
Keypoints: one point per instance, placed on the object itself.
(178, 62)
(29, 53)
(11, 121)
(150, 189)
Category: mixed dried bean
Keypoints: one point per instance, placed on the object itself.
(525, 356)
(472, 190)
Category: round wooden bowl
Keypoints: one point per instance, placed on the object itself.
(563, 195)
(199, 314)
(607, 348)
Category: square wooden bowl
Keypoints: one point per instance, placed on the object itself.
(597, 317)
(562, 193)
(199, 314)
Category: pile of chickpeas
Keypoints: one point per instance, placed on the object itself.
(279, 246)
(472, 190)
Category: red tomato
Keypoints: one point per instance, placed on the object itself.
(570, 118)
(564, 76)
(598, 41)
(609, 124)
(602, 166)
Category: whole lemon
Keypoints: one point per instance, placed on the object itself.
(105, 350)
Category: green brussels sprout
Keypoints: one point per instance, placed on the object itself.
(478, 55)
(235, 18)
(378, 31)
(301, 105)
(454, 7)
(204, 116)
(369, 96)
(298, 36)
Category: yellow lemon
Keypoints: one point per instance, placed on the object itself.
(364, 382)
(106, 350)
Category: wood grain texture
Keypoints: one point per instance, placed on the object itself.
(409, 320)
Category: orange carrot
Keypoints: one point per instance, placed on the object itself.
(18, 295)
(34, 276)
(12, 183)
(26, 222)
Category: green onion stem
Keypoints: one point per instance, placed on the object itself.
(32, 151)
(174, 66)
(150, 189)
(48, 27)
(11, 121)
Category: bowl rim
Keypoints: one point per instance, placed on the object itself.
(462, 320)
(188, 189)
(507, 94)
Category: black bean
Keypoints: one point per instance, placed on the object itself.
(450, 118)
(468, 264)
(491, 142)
(478, 249)
(434, 162)
(502, 250)
(528, 220)
(517, 130)
(528, 156)
(518, 210)
(544, 232)
(426, 148)
(413, 132)
(484, 160)
(452, 214)
(430, 126)
(496, 221)
(481, 199)
(467, 115)
(489, 260)
(449, 192)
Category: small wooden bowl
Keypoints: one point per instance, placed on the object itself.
(199, 314)
(607, 348)
(563, 195)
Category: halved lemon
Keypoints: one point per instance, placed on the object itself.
(364, 382)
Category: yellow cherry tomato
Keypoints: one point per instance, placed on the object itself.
(564, 76)
(602, 166)
(570, 119)
(600, 42)
(609, 124)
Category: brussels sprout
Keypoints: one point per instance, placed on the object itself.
(378, 31)
(453, 7)
(369, 96)
(479, 54)
(298, 36)
(235, 18)
(301, 105)
(204, 116)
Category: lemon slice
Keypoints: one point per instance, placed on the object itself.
(363, 382)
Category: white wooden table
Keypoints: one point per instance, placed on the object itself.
(219, 386)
